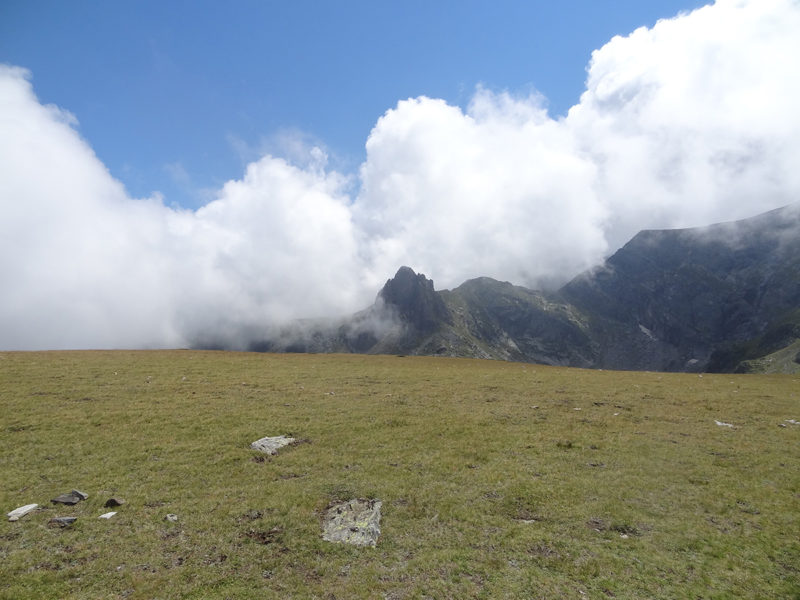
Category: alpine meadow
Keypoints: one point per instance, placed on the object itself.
(497, 479)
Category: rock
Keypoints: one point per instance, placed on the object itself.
(354, 522)
(18, 513)
(107, 515)
(270, 445)
(171, 518)
(72, 497)
(62, 521)
(113, 502)
(721, 424)
(66, 499)
(413, 298)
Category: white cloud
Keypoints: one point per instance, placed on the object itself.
(695, 120)
(277, 245)
(686, 123)
(498, 190)
(83, 265)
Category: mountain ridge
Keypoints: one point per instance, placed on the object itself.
(725, 297)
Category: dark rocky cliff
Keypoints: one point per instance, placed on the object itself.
(416, 303)
(672, 300)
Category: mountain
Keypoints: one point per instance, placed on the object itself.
(692, 299)
(719, 298)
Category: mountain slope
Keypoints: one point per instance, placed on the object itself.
(672, 300)
(720, 298)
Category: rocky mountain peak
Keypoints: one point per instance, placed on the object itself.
(412, 296)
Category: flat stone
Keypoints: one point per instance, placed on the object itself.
(66, 499)
(62, 521)
(270, 445)
(354, 522)
(18, 513)
(114, 502)
(171, 518)
(107, 515)
(72, 497)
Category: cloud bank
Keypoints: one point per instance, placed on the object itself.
(686, 123)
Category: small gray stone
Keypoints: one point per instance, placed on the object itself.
(354, 522)
(270, 445)
(114, 502)
(72, 497)
(171, 518)
(62, 521)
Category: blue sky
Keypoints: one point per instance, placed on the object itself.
(178, 97)
(178, 171)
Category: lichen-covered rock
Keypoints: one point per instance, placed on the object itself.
(354, 522)
(270, 445)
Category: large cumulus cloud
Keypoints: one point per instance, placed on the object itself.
(84, 265)
(688, 122)
(695, 120)
(499, 190)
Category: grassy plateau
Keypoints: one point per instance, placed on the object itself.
(498, 480)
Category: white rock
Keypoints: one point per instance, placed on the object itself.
(270, 445)
(721, 424)
(793, 422)
(107, 515)
(354, 522)
(18, 513)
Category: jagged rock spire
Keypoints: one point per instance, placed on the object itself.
(413, 297)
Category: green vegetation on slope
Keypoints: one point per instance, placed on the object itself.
(497, 479)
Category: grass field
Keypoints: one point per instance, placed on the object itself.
(498, 480)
